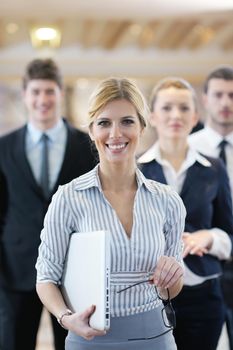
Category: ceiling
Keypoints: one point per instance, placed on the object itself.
(142, 38)
(53, 9)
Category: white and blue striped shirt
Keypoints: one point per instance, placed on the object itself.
(158, 222)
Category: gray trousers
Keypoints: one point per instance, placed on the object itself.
(142, 325)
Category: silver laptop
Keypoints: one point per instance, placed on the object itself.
(86, 277)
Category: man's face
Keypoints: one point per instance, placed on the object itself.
(219, 104)
(43, 102)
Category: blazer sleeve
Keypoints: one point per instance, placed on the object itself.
(3, 191)
(3, 200)
(222, 216)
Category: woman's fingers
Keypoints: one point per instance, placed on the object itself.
(80, 324)
(194, 244)
(87, 313)
(167, 272)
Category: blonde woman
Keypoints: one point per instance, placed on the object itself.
(145, 220)
(203, 185)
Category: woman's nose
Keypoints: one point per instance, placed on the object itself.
(115, 131)
(175, 113)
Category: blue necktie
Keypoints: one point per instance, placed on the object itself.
(222, 153)
(44, 178)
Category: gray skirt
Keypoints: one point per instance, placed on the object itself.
(123, 329)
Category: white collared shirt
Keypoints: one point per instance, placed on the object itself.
(174, 179)
(57, 145)
(221, 247)
(207, 141)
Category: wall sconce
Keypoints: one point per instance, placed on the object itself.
(49, 37)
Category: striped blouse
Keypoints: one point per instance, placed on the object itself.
(158, 222)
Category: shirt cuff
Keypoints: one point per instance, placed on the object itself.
(221, 247)
(46, 280)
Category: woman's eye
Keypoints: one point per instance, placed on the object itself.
(127, 122)
(103, 123)
(166, 108)
(185, 108)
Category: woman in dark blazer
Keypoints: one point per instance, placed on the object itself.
(203, 186)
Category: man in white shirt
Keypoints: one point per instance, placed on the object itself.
(216, 139)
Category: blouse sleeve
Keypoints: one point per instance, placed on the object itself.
(58, 225)
(174, 226)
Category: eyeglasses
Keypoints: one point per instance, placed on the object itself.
(167, 312)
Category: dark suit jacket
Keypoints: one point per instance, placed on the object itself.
(23, 206)
(207, 199)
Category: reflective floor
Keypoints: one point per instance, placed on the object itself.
(45, 339)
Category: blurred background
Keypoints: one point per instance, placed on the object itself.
(145, 40)
(90, 40)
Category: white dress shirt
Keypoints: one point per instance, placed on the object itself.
(207, 140)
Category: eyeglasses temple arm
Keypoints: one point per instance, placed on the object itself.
(133, 285)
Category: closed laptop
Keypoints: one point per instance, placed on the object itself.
(86, 277)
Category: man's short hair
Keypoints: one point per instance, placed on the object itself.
(42, 69)
(222, 72)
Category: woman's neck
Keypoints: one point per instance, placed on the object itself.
(117, 178)
(174, 152)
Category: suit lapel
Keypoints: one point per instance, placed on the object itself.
(22, 161)
(160, 174)
(154, 171)
(191, 177)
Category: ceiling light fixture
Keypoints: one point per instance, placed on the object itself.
(45, 37)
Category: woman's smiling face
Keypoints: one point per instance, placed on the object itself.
(116, 131)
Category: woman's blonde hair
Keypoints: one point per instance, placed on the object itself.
(116, 89)
(177, 83)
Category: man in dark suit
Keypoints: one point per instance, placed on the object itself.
(24, 199)
(216, 140)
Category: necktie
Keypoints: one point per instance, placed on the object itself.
(44, 178)
(222, 153)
